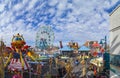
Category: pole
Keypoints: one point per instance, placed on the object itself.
(105, 43)
(1, 60)
(56, 63)
(30, 71)
(50, 66)
(106, 57)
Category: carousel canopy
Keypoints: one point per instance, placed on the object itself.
(66, 48)
(83, 48)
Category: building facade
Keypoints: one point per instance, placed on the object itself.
(115, 43)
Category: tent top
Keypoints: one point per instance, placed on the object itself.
(83, 48)
(66, 48)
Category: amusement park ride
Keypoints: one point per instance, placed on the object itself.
(44, 38)
(18, 51)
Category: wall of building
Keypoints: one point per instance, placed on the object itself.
(115, 31)
(115, 42)
(115, 18)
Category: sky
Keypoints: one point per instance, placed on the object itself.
(76, 20)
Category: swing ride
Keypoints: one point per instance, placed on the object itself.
(17, 54)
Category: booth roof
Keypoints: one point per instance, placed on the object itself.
(66, 48)
(83, 48)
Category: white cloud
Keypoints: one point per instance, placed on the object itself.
(2, 7)
(94, 23)
(83, 19)
(53, 2)
(18, 7)
(31, 4)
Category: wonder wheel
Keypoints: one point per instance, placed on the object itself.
(44, 37)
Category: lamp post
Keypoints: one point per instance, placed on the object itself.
(106, 56)
(105, 43)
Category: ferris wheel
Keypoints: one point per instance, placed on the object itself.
(44, 37)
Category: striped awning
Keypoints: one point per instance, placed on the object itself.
(15, 64)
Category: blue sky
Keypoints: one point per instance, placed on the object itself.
(77, 20)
